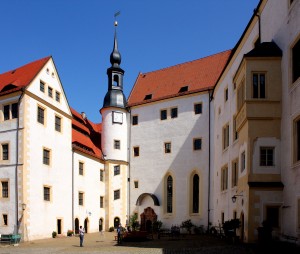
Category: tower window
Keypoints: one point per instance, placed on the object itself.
(197, 144)
(117, 170)
(168, 147)
(198, 108)
(136, 151)
(117, 144)
(163, 114)
(174, 112)
(135, 120)
(116, 80)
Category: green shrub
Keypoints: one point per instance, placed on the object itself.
(187, 225)
(70, 232)
(111, 229)
(54, 234)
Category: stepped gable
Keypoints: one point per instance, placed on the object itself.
(190, 77)
(86, 135)
(15, 80)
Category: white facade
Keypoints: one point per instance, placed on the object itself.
(152, 167)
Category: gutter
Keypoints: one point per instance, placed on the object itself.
(209, 156)
(129, 160)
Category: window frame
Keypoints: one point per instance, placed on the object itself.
(81, 168)
(117, 194)
(234, 173)
(50, 91)
(42, 86)
(101, 201)
(58, 125)
(225, 136)
(101, 175)
(5, 151)
(57, 96)
(41, 115)
(195, 146)
(296, 140)
(136, 184)
(135, 120)
(295, 62)
(263, 162)
(174, 112)
(117, 170)
(136, 151)
(4, 189)
(46, 159)
(198, 108)
(259, 85)
(47, 195)
(163, 114)
(80, 198)
(167, 147)
(224, 178)
(5, 219)
(117, 144)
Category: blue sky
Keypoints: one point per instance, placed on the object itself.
(152, 34)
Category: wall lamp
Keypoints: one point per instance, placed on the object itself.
(234, 197)
(23, 206)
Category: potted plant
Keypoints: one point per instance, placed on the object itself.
(70, 232)
(54, 234)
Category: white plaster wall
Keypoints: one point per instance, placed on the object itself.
(151, 167)
(89, 183)
(284, 23)
(114, 131)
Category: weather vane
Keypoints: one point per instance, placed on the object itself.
(117, 14)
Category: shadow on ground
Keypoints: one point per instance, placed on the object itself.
(208, 244)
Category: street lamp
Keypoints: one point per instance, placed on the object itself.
(234, 197)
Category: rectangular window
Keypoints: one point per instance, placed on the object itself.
(136, 184)
(57, 96)
(116, 194)
(222, 217)
(234, 174)
(46, 156)
(81, 168)
(198, 108)
(101, 175)
(117, 144)
(135, 120)
(136, 151)
(5, 219)
(47, 193)
(101, 202)
(14, 110)
(5, 152)
(243, 161)
(296, 61)
(167, 147)
(40, 115)
(163, 114)
(50, 91)
(6, 112)
(117, 170)
(267, 156)
(42, 86)
(197, 144)
(235, 133)
(174, 112)
(225, 136)
(296, 140)
(258, 85)
(80, 198)
(58, 123)
(226, 94)
(4, 185)
(241, 96)
(224, 179)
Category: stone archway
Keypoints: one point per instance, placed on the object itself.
(147, 219)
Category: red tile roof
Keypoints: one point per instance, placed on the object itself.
(86, 135)
(198, 75)
(21, 77)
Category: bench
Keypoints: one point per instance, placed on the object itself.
(289, 238)
(10, 238)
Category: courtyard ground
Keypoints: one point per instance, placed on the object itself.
(105, 243)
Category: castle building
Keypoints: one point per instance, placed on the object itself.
(208, 140)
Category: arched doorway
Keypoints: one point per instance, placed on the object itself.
(86, 223)
(76, 226)
(147, 219)
(100, 224)
(116, 222)
(242, 227)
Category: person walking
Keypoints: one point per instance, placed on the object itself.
(119, 231)
(81, 235)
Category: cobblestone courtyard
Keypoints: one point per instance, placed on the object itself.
(105, 243)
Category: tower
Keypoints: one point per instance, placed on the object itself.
(114, 143)
(114, 112)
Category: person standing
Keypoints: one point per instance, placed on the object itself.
(81, 235)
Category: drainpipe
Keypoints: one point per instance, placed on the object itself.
(73, 226)
(209, 133)
(17, 162)
(129, 160)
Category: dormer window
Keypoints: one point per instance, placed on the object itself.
(148, 97)
(183, 89)
(259, 85)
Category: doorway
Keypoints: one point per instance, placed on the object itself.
(100, 225)
(86, 223)
(58, 226)
(76, 226)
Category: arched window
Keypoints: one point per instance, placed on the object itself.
(116, 222)
(196, 194)
(169, 194)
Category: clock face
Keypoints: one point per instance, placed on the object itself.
(117, 117)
